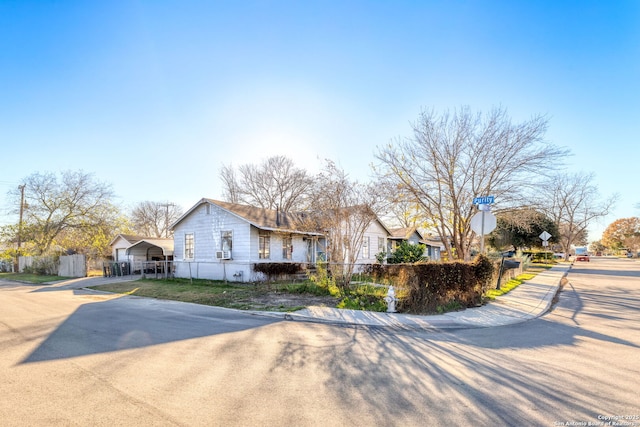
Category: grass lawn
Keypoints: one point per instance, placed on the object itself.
(532, 271)
(271, 297)
(30, 278)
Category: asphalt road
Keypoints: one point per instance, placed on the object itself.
(72, 357)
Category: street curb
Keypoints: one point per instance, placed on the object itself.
(444, 322)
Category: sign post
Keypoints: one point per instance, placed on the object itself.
(545, 238)
(487, 200)
(484, 221)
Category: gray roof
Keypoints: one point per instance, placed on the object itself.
(404, 233)
(265, 219)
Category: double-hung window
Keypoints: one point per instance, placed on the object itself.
(382, 247)
(264, 246)
(365, 247)
(189, 246)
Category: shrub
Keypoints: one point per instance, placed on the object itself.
(322, 279)
(540, 256)
(43, 266)
(430, 285)
(407, 253)
(277, 269)
(363, 302)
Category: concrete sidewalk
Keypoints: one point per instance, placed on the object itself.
(529, 300)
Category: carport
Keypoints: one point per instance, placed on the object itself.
(152, 256)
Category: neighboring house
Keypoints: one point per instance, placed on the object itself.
(221, 241)
(410, 235)
(120, 244)
(375, 240)
(413, 236)
(434, 248)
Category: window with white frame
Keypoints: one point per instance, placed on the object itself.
(189, 246)
(287, 247)
(264, 246)
(382, 246)
(226, 240)
(365, 247)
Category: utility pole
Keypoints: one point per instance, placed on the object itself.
(21, 188)
(166, 218)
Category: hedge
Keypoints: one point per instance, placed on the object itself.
(427, 286)
(277, 269)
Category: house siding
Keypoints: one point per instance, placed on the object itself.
(299, 253)
(373, 232)
(207, 224)
(119, 248)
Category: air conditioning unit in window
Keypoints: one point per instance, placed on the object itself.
(223, 254)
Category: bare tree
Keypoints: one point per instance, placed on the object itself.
(274, 184)
(453, 157)
(572, 202)
(153, 219)
(55, 210)
(399, 211)
(344, 209)
(231, 188)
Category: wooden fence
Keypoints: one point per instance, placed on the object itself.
(65, 266)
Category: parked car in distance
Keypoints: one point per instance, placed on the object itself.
(582, 257)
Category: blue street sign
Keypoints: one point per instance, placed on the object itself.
(487, 200)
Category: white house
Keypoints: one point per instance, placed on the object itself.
(120, 244)
(374, 241)
(222, 241)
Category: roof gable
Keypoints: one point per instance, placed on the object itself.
(405, 233)
(129, 238)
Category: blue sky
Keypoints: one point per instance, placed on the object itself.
(154, 96)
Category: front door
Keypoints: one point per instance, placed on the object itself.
(311, 250)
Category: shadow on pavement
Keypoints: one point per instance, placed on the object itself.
(130, 322)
